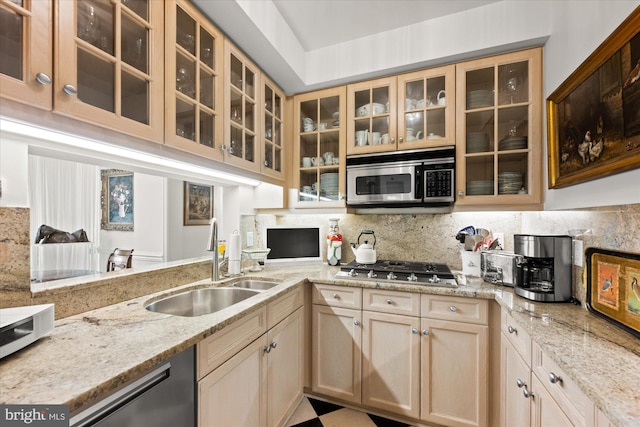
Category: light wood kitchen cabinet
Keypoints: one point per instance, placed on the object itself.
(454, 361)
(405, 112)
(499, 141)
(515, 405)
(242, 97)
(261, 384)
(273, 130)
(545, 411)
(109, 64)
(26, 52)
(319, 149)
(194, 60)
(391, 363)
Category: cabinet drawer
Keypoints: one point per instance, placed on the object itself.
(517, 336)
(337, 296)
(283, 306)
(393, 302)
(573, 402)
(219, 347)
(455, 308)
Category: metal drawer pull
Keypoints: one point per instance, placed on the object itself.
(273, 344)
(414, 331)
(425, 332)
(389, 301)
(453, 309)
(553, 378)
(520, 383)
(356, 322)
(527, 393)
(335, 296)
(512, 330)
(267, 349)
(523, 385)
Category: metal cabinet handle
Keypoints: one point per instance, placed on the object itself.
(512, 330)
(453, 309)
(425, 332)
(336, 296)
(523, 385)
(389, 301)
(520, 383)
(527, 393)
(273, 344)
(356, 322)
(414, 330)
(553, 378)
(69, 89)
(43, 79)
(460, 193)
(392, 140)
(401, 139)
(267, 349)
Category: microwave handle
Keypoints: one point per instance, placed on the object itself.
(419, 193)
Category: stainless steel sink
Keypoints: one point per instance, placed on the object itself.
(201, 301)
(259, 285)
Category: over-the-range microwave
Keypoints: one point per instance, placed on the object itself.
(420, 178)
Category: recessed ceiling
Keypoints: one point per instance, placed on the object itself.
(322, 23)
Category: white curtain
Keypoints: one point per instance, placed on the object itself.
(64, 195)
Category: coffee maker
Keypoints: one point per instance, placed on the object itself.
(544, 272)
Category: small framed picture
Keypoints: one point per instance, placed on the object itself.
(613, 287)
(117, 200)
(198, 204)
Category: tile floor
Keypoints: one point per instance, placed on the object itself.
(316, 413)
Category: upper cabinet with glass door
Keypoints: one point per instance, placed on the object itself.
(26, 51)
(193, 92)
(242, 100)
(109, 64)
(273, 129)
(499, 130)
(319, 155)
(405, 112)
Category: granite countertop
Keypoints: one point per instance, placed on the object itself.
(91, 354)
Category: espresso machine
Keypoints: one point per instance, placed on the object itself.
(544, 270)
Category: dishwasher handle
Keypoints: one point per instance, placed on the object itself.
(111, 404)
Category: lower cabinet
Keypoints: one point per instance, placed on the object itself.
(545, 411)
(454, 361)
(516, 374)
(261, 384)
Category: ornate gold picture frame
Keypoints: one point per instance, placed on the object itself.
(593, 118)
(117, 200)
(613, 287)
(198, 204)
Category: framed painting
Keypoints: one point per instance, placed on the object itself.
(593, 118)
(613, 287)
(198, 204)
(117, 200)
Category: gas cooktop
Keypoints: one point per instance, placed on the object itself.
(424, 273)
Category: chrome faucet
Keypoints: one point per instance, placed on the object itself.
(213, 246)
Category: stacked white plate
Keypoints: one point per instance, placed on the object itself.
(479, 188)
(480, 98)
(329, 184)
(513, 143)
(510, 182)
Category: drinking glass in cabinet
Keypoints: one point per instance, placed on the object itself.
(207, 49)
(184, 79)
(512, 83)
(513, 126)
(95, 24)
(133, 43)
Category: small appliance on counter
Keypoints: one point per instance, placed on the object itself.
(544, 273)
(21, 326)
(421, 273)
(499, 267)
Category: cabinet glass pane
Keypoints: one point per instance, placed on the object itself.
(185, 72)
(479, 137)
(513, 128)
(277, 106)
(380, 98)
(96, 23)
(207, 88)
(480, 180)
(207, 129)
(207, 49)
(249, 147)
(236, 72)
(309, 115)
(480, 88)
(309, 185)
(512, 173)
(277, 132)
(135, 98)
(17, 2)
(186, 31)
(330, 149)
(277, 159)
(413, 126)
(236, 107)
(414, 94)
(268, 127)
(362, 100)
(11, 43)
(96, 81)
(235, 148)
(329, 112)
(308, 150)
(139, 7)
(436, 96)
(185, 120)
(134, 42)
(268, 99)
(268, 156)
(249, 115)
(249, 88)
(436, 124)
(513, 83)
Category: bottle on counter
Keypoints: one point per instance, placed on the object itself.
(334, 243)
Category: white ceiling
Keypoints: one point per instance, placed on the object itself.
(322, 23)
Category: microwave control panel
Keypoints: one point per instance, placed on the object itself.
(438, 183)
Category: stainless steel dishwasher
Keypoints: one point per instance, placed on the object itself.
(163, 397)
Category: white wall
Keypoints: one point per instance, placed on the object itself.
(14, 171)
(578, 28)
